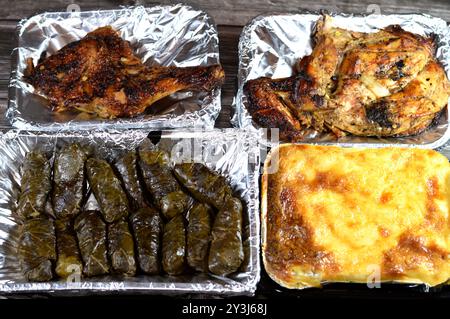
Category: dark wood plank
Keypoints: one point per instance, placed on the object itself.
(236, 12)
(243, 11)
(228, 46)
(7, 34)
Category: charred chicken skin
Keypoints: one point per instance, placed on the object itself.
(386, 83)
(99, 74)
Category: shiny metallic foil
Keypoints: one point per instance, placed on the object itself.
(270, 45)
(231, 152)
(175, 35)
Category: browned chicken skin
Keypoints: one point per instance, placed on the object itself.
(100, 74)
(368, 84)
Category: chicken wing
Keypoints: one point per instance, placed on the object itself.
(99, 74)
(385, 83)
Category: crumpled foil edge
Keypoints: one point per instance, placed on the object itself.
(240, 162)
(290, 50)
(202, 39)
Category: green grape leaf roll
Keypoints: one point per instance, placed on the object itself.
(162, 184)
(226, 252)
(121, 248)
(35, 185)
(127, 168)
(204, 184)
(91, 235)
(69, 259)
(198, 236)
(147, 228)
(36, 249)
(68, 181)
(174, 246)
(107, 190)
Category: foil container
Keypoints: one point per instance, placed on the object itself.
(231, 152)
(175, 35)
(345, 288)
(270, 45)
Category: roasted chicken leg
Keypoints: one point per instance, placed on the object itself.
(99, 74)
(386, 83)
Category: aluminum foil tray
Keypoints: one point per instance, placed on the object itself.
(233, 153)
(175, 35)
(270, 45)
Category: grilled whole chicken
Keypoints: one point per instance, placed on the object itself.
(99, 74)
(368, 84)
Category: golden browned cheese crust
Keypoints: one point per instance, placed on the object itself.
(335, 214)
(386, 83)
(100, 74)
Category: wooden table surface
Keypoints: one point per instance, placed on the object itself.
(229, 15)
